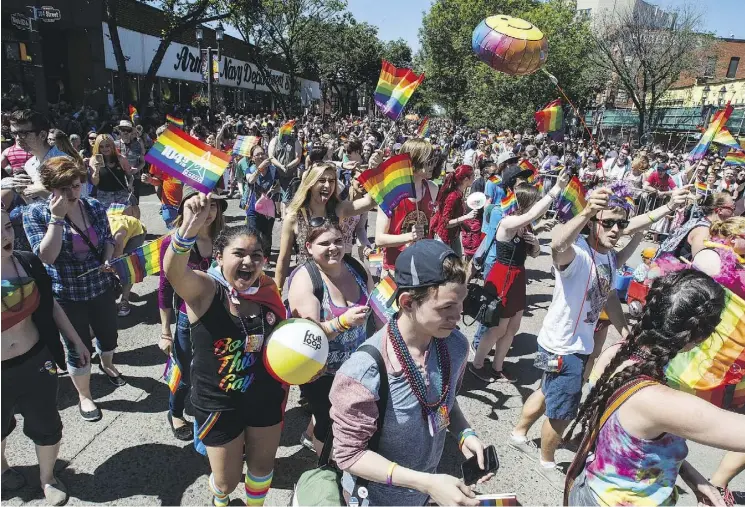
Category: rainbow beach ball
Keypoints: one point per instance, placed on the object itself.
(296, 351)
(510, 45)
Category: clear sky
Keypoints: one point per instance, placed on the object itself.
(403, 18)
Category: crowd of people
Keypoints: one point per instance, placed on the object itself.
(218, 305)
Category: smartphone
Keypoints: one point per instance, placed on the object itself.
(471, 470)
(99, 159)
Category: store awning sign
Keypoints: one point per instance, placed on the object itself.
(20, 21)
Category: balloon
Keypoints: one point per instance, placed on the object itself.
(296, 351)
(510, 45)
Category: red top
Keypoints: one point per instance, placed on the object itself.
(17, 158)
(405, 216)
(451, 208)
(664, 183)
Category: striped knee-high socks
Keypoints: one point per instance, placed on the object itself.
(257, 488)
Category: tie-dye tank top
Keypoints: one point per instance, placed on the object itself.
(626, 470)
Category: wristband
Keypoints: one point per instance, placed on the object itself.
(58, 218)
(335, 328)
(389, 477)
(468, 432)
(343, 322)
(56, 221)
(181, 245)
(652, 218)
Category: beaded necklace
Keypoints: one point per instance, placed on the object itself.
(414, 376)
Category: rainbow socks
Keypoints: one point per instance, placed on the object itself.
(219, 498)
(257, 488)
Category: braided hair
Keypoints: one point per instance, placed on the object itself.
(682, 309)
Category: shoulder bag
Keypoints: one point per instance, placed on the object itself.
(322, 485)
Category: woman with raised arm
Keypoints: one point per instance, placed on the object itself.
(232, 308)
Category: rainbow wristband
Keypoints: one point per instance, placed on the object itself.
(463, 435)
(181, 245)
(343, 323)
(389, 477)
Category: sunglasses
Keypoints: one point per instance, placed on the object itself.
(23, 133)
(609, 224)
(125, 131)
(92, 138)
(317, 221)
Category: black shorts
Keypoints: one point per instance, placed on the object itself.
(30, 388)
(317, 394)
(231, 423)
(100, 314)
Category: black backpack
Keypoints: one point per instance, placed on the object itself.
(317, 281)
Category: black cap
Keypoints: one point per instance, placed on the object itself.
(191, 191)
(420, 265)
(512, 173)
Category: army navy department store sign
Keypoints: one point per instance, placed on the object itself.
(183, 62)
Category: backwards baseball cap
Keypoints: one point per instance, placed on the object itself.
(512, 173)
(507, 156)
(420, 265)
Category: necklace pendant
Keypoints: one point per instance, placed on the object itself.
(254, 343)
(439, 420)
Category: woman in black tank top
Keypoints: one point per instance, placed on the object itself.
(514, 241)
(231, 309)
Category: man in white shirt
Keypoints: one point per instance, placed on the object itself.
(616, 168)
(585, 270)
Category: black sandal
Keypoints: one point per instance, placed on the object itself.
(185, 433)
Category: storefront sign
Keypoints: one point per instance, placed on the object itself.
(184, 62)
(20, 21)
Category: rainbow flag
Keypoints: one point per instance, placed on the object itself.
(508, 204)
(550, 118)
(395, 88)
(495, 179)
(423, 130)
(720, 119)
(176, 121)
(724, 137)
(735, 157)
(286, 129)
(535, 179)
(116, 209)
(187, 159)
(172, 374)
(572, 200)
(380, 296)
(243, 145)
(134, 267)
(375, 262)
(714, 369)
(702, 188)
(132, 113)
(390, 182)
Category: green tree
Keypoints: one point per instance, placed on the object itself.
(398, 53)
(286, 32)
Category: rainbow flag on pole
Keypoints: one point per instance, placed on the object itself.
(714, 369)
(116, 209)
(572, 201)
(720, 119)
(134, 267)
(701, 188)
(172, 374)
(735, 157)
(381, 294)
(535, 179)
(550, 118)
(188, 159)
(286, 129)
(176, 121)
(395, 88)
(423, 130)
(508, 204)
(725, 138)
(132, 113)
(243, 145)
(390, 182)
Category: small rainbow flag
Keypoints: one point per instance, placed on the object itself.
(572, 200)
(176, 121)
(134, 267)
(188, 159)
(550, 118)
(724, 137)
(395, 88)
(535, 179)
(714, 369)
(735, 157)
(503, 500)
(702, 188)
(375, 261)
(243, 145)
(390, 182)
(495, 179)
(509, 204)
(381, 294)
(286, 129)
(132, 113)
(172, 374)
(116, 209)
(720, 119)
(423, 130)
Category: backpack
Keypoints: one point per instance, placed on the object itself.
(317, 281)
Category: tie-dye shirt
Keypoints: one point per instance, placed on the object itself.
(626, 470)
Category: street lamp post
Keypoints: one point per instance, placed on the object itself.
(219, 35)
(722, 93)
(705, 110)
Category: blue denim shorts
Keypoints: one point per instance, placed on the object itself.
(563, 390)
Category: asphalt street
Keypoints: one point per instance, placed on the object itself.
(130, 457)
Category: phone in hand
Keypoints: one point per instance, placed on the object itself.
(471, 470)
(98, 159)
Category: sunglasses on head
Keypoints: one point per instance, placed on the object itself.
(317, 221)
(609, 223)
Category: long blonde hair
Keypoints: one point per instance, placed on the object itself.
(726, 229)
(100, 138)
(311, 177)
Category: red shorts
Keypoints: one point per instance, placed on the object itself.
(509, 283)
